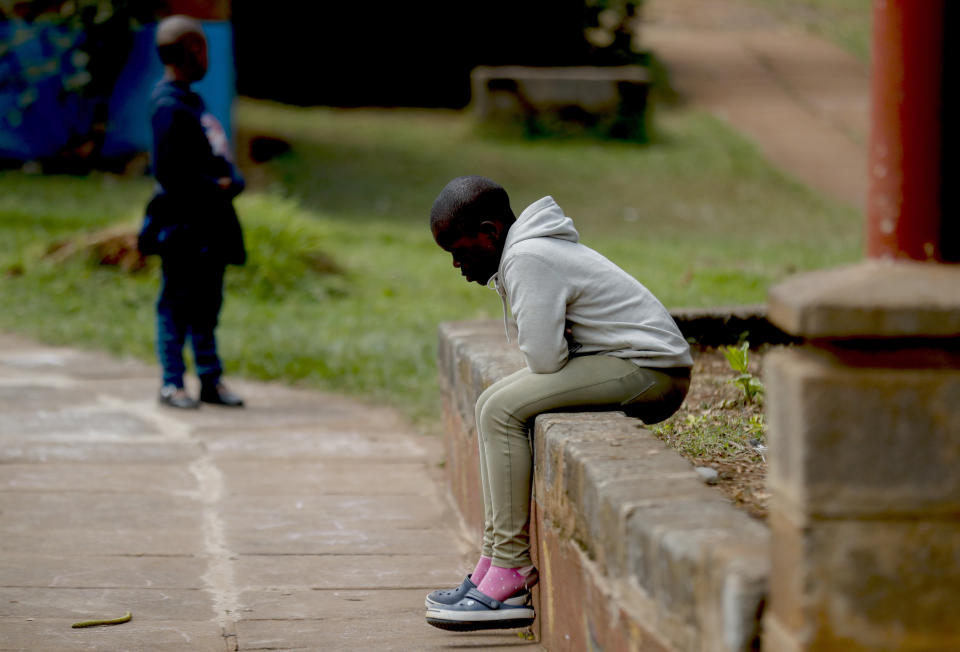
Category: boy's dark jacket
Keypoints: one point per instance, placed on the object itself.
(190, 216)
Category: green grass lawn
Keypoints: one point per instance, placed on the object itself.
(698, 217)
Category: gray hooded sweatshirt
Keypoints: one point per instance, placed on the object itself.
(553, 282)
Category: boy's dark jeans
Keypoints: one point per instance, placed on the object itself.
(189, 305)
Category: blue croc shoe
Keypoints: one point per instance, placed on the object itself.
(449, 596)
(442, 597)
(478, 611)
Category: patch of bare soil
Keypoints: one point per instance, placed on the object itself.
(718, 428)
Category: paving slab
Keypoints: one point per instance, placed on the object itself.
(116, 571)
(380, 478)
(52, 450)
(75, 424)
(366, 633)
(338, 440)
(340, 538)
(390, 571)
(56, 635)
(269, 418)
(299, 604)
(80, 365)
(39, 396)
(96, 478)
(118, 541)
(102, 512)
(306, 520)
(268, 513)
(330, 537)
(78, 604)
(349, 620)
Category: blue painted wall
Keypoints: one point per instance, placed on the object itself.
(37, 118)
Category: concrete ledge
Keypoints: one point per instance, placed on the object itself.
(635, 553)
(871, 299)
(718, 326)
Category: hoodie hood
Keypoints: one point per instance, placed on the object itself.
(542, 219)
(568, 299)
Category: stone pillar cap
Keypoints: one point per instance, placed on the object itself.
(873, 299)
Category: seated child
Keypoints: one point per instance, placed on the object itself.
(593, 338)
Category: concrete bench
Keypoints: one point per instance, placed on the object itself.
(634, 551)
(610, 101)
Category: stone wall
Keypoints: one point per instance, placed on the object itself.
(635, 552)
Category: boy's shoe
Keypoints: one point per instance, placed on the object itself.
(478, 611)
(219, 395)
(449, 596)
(176, 397)
(442, 597)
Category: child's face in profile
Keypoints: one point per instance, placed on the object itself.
(476, 256)
(197, 61)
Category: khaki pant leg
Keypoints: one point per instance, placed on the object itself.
(586, 382)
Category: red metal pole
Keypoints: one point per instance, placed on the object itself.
(904, 208)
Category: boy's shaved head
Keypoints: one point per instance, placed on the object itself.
(470, 220)
(173, 28)
(182, 44)
(464, 204)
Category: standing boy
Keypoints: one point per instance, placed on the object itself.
(190, 221)
(593, 338)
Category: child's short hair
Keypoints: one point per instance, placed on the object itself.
(174, 35)
(465, 203)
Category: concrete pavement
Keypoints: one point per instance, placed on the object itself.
(804, 101)
(303, 521)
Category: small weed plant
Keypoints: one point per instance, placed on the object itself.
(738, 357)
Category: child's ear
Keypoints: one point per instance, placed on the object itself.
(491, 228)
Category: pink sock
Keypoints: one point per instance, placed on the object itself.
(481, 570)
(500, 583)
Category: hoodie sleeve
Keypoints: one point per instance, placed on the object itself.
(538, 300)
